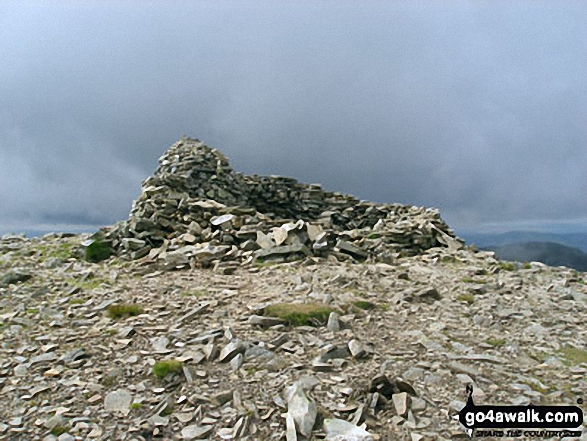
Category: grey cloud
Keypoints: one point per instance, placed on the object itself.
(476, 108)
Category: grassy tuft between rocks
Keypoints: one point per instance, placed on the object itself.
(364, 304)
(469, 298)
(59, 430)
(496, 342)
(507, 266)
(573, 355)
(124, 310)
(163, 368)
(299, 314)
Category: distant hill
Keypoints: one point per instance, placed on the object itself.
(550, 253)
(484, 240)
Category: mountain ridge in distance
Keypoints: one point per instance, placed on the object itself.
(549, 253)
(485, 240)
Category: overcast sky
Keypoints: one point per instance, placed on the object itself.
(478, 108)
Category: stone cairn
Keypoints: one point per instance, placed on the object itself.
(196, 211)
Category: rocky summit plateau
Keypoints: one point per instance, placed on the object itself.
(259, 308)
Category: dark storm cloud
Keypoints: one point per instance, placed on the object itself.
(476, 108)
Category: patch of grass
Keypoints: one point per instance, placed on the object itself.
(136, 405)
(163, 368)
(124, 310)
(573, 355)
(383, 306)
(91, 283)
(97, 251)
(265, 263)
(251, 369)
(299, 314)
(496, 342)
(507, 266)
(61, 251)
(470, 280)
(196, 293)
(535, 386)
(527, 265)
(364, 304)
(59, 430)
(87, 284)
(449, 259)
(108, 381)
(539, 356)
(32, 310)
(167, 411)
(468, 298)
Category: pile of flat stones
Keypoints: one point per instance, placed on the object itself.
(196, 211)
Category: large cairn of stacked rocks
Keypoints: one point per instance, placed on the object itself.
(196, 211)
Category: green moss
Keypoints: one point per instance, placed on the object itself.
(573, 355)
(59, 430)
(364, 304)
(496, 342)
(163, 368)
(91, 283)
(449, 259)
(527, 265)
(167, 411)
(469, 298)
(507, 266)
(535, 386)
(87, 284)
(196, 293)
(299, 314)
(251, 369)
(76, 301)
(61, 251)
(124, 310)
(98, 251)
(470, 280)
(265, 263)
(108, 381)
(136, 405)
(32, 310)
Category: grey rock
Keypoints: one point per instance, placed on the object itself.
(302, 410)
(118, 401)
(14, 277)
(132, 244)
(236, 362)
(401, 403)
(159, 344)
(221, 220)
(44, 358)
(231, 350)
(70, 357)
(333, 324)
(349, 248)
(341, 430)
(264, 321)
(357, 349)
(196, 431)
(428, 295)
(333, 351)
